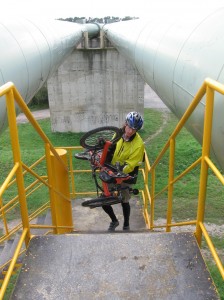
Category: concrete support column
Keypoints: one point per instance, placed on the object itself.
(86, 40)
(102, 39)
(94, 88)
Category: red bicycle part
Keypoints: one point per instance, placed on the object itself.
(104, 153)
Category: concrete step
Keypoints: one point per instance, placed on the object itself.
(86, 219)
(44, 219)
(9, 249)
(108, 232)
(139, 265)
(1, 248)
(5, 255)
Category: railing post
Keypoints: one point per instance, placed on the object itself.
(147, 199)
(152, 208)
(72, 179)
(204, 167)
(170, 184)
(17, 158)
(60, 182)
(4, 217)
(51, 183)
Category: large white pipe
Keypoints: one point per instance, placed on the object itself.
(30, 51)
(174, 54)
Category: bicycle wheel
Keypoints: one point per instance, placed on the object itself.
(98, 202)
(95, 139)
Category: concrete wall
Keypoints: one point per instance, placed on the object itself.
(94, 88)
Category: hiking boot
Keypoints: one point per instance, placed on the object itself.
(126, 228)
(113, 225)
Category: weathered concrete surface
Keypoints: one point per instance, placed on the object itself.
(95, 220)
(144, 266)
(151, 100)
(94, 88)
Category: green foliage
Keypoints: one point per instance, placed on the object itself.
(11, 285)
(102, 20)
(40, 100)
(217, 279)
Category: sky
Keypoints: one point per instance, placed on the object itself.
(55, 9)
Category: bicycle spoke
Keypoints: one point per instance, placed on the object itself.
(96, 138)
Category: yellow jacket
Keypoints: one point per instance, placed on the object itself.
(129, 153)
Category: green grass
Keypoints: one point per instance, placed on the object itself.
(11, 285)
(216, 278)
(185, 191)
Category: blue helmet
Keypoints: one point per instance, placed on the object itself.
(134, 120)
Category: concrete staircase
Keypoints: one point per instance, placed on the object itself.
(92, 263)
(7, 250)
(134, 265)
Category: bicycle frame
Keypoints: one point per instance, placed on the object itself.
(101, 166)
(96, 153)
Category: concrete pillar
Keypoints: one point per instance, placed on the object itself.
(86, 40)
(94, 88)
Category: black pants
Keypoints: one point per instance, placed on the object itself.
(126, 212)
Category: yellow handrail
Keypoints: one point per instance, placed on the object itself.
(208, 88)
(8, 178)
(212, 249)
(12, 96)
(148, 196)
(10, 89)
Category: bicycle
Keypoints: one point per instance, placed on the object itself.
(97, 143)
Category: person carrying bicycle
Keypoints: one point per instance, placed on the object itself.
(129, 154)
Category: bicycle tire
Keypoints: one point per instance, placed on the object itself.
(99, 202)
(92, 138)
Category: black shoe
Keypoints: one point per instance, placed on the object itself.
(126, 228)
(113, 225)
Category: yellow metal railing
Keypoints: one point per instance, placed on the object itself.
(13, 187)
(20, 169)
(13, 263)
(208, 88)
(53, 160)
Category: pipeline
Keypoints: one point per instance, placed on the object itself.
(174, 54)
(31, 51)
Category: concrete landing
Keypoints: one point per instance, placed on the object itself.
(95, 220)
(109, 266)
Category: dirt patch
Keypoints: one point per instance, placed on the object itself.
(38, 115)
(165, 116)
